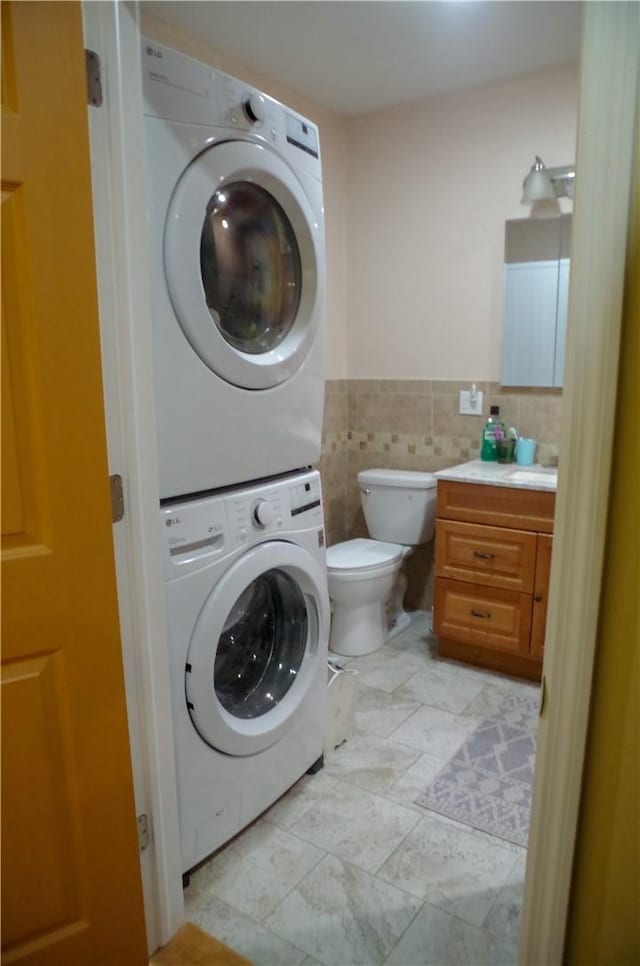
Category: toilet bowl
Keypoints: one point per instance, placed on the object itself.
(366, 585)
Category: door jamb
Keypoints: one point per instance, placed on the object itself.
(609, 75)
(118, 176)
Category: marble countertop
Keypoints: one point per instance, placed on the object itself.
(534, 477)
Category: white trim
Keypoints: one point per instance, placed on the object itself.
(116, 131)
(609, 76)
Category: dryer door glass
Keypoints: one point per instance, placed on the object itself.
(250, 265)
(262, 645)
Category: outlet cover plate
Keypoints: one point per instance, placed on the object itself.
(470, 406)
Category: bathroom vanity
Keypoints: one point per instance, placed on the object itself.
(494, 533)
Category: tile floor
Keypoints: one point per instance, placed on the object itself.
(345, 868)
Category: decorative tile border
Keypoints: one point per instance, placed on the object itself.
(415, 424)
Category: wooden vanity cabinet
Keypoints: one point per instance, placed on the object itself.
(492, 562)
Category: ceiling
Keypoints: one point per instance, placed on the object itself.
(356, 57)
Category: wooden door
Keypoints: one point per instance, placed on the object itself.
(71, 890)
(541, 595)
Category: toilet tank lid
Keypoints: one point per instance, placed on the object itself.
(362, 553)
(412, 479)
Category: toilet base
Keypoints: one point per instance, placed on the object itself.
(399, 623)
(358, 629)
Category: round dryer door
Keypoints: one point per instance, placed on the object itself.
(243, 262)
(255, 650)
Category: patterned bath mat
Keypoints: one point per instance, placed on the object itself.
(487, 783)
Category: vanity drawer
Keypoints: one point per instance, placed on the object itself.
(492, 556)
(498, 620)
(497, 506)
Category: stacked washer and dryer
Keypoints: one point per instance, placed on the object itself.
(236, 237)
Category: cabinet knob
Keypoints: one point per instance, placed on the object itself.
(483, 555)
(538, 598)
(477, 613)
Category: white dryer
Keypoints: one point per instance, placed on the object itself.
(236, 236)
(248, 616)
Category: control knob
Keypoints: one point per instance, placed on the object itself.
(255, 108)
(263, 513)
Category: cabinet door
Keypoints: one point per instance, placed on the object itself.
(492, 556)
(529, 336)
(541, 594)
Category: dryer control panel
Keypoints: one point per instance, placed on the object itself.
(178, 88)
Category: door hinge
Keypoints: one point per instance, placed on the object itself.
(94, 78)
(143, 832)
(117, 498)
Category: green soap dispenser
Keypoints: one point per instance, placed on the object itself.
(492, 431)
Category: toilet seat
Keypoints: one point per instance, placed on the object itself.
(364, 558)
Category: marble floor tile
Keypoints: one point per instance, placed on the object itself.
(243, 934)
(493, 678)
(491, 696)
(386, 669)
(359, 827)
(504, 916)
(342, 915)
(380, 713)
(303, 795)
(257, 869)
(436, 938)
(435, 732)
(371, 762)
(457, 871)
(421, 649)
(517, 850)
(440, 687)
(414, 781)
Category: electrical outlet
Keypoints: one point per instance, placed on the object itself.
(470, 402)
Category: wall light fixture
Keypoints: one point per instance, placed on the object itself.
(547, 184)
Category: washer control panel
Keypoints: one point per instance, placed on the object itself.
(199, 531)
(256, 511)
(194, 530)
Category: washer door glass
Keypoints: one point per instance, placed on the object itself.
(250, 265)
(256, 658)
(262, 645)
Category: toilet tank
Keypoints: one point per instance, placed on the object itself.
(399, 505)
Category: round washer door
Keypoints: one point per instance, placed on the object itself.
(255, 650)
(243, 262)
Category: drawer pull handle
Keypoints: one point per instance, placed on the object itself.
(483, 555)
(477, 613)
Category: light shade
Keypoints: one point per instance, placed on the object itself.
(537, 185)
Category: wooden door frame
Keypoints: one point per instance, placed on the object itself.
(604, 165)
(589, 397)
(118, 175)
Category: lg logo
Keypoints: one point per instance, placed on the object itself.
(153, 53)
(172, 521)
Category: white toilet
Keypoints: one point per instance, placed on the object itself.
(366, 586)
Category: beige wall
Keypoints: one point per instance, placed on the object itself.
(333, 142)
(430, 186)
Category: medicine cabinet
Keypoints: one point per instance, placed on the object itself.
(536, 289)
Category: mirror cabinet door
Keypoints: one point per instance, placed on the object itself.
(536, 284)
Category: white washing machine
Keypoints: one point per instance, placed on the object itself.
(248, 616)
(237, 277)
